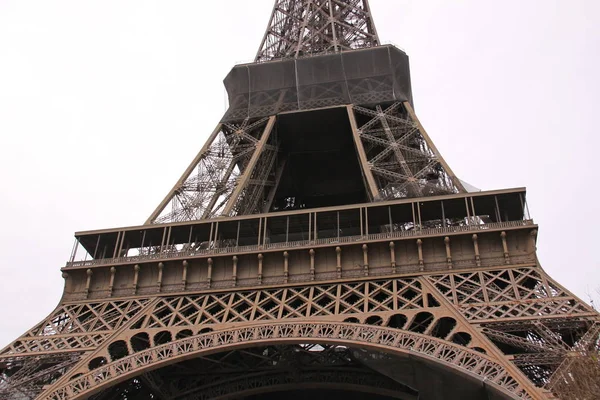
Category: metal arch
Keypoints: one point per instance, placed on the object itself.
(461, 359)
(264, 369)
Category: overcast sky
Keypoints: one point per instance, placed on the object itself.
(104, 103)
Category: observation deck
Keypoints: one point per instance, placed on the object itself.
(346, 242)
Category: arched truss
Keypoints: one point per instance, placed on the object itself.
(265, 369)
(460, 359)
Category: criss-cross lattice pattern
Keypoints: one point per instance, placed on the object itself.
(27, 379)
(229, 176)
(285, 303)
(76, 327)
(508, 293)
(521, 312)
(310, 27)
(400, 158)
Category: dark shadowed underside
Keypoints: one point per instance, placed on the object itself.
(304, 372)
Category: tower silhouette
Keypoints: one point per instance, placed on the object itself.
(318, 244)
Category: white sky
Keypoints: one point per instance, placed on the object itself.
(104, 103)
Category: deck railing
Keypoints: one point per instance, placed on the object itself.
(169, 254)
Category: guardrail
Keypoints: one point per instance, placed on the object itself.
(165, 255)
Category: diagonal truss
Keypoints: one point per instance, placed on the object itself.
(518, 316)
(399, 160)
(230, 175)
(310, 27)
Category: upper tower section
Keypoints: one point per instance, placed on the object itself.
(312, 27)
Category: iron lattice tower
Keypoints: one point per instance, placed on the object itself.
(317, 242)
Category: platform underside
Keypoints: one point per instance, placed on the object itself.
(300, 372)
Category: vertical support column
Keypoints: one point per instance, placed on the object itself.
(526, 214)
(469, 221)
(243, 181)
(216, 239)
(259, 232)
(420, 251)
(98, 245)
(160, 276)
(74, 250)
(338, 265)
(362, 230)
(264, 239)
(143, 242)
(136, 277)
(210, 236)
(184, 274)
(476, 248)
(162, 239)
(448, 252)
(111, 283)
(395, 295)
(312, 264)
(286, 271)
(209, 273)
(505, 248)
(88, 282)
(118, 241)
(168, 241)
(443, 214)
(121, 244)
(366, 298)
(498, 214)
(370, 183)
(234, 272)
(365, 250)
(260, 268)
(189, 242)
(393, 256)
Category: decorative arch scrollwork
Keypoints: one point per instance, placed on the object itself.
(461, 359)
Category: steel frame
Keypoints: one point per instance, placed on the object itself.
(489, 312)
(311, 27)
(227, 177)
(521, 300)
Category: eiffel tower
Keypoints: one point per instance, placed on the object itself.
(317, 245)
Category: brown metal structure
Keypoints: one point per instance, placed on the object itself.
(317, 244)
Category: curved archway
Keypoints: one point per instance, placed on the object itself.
(463, 361)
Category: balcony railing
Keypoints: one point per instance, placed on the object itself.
(171, 254)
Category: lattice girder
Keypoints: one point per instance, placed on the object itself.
(437, 305)
(399, 157)
(311, 27)
(228, 176)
